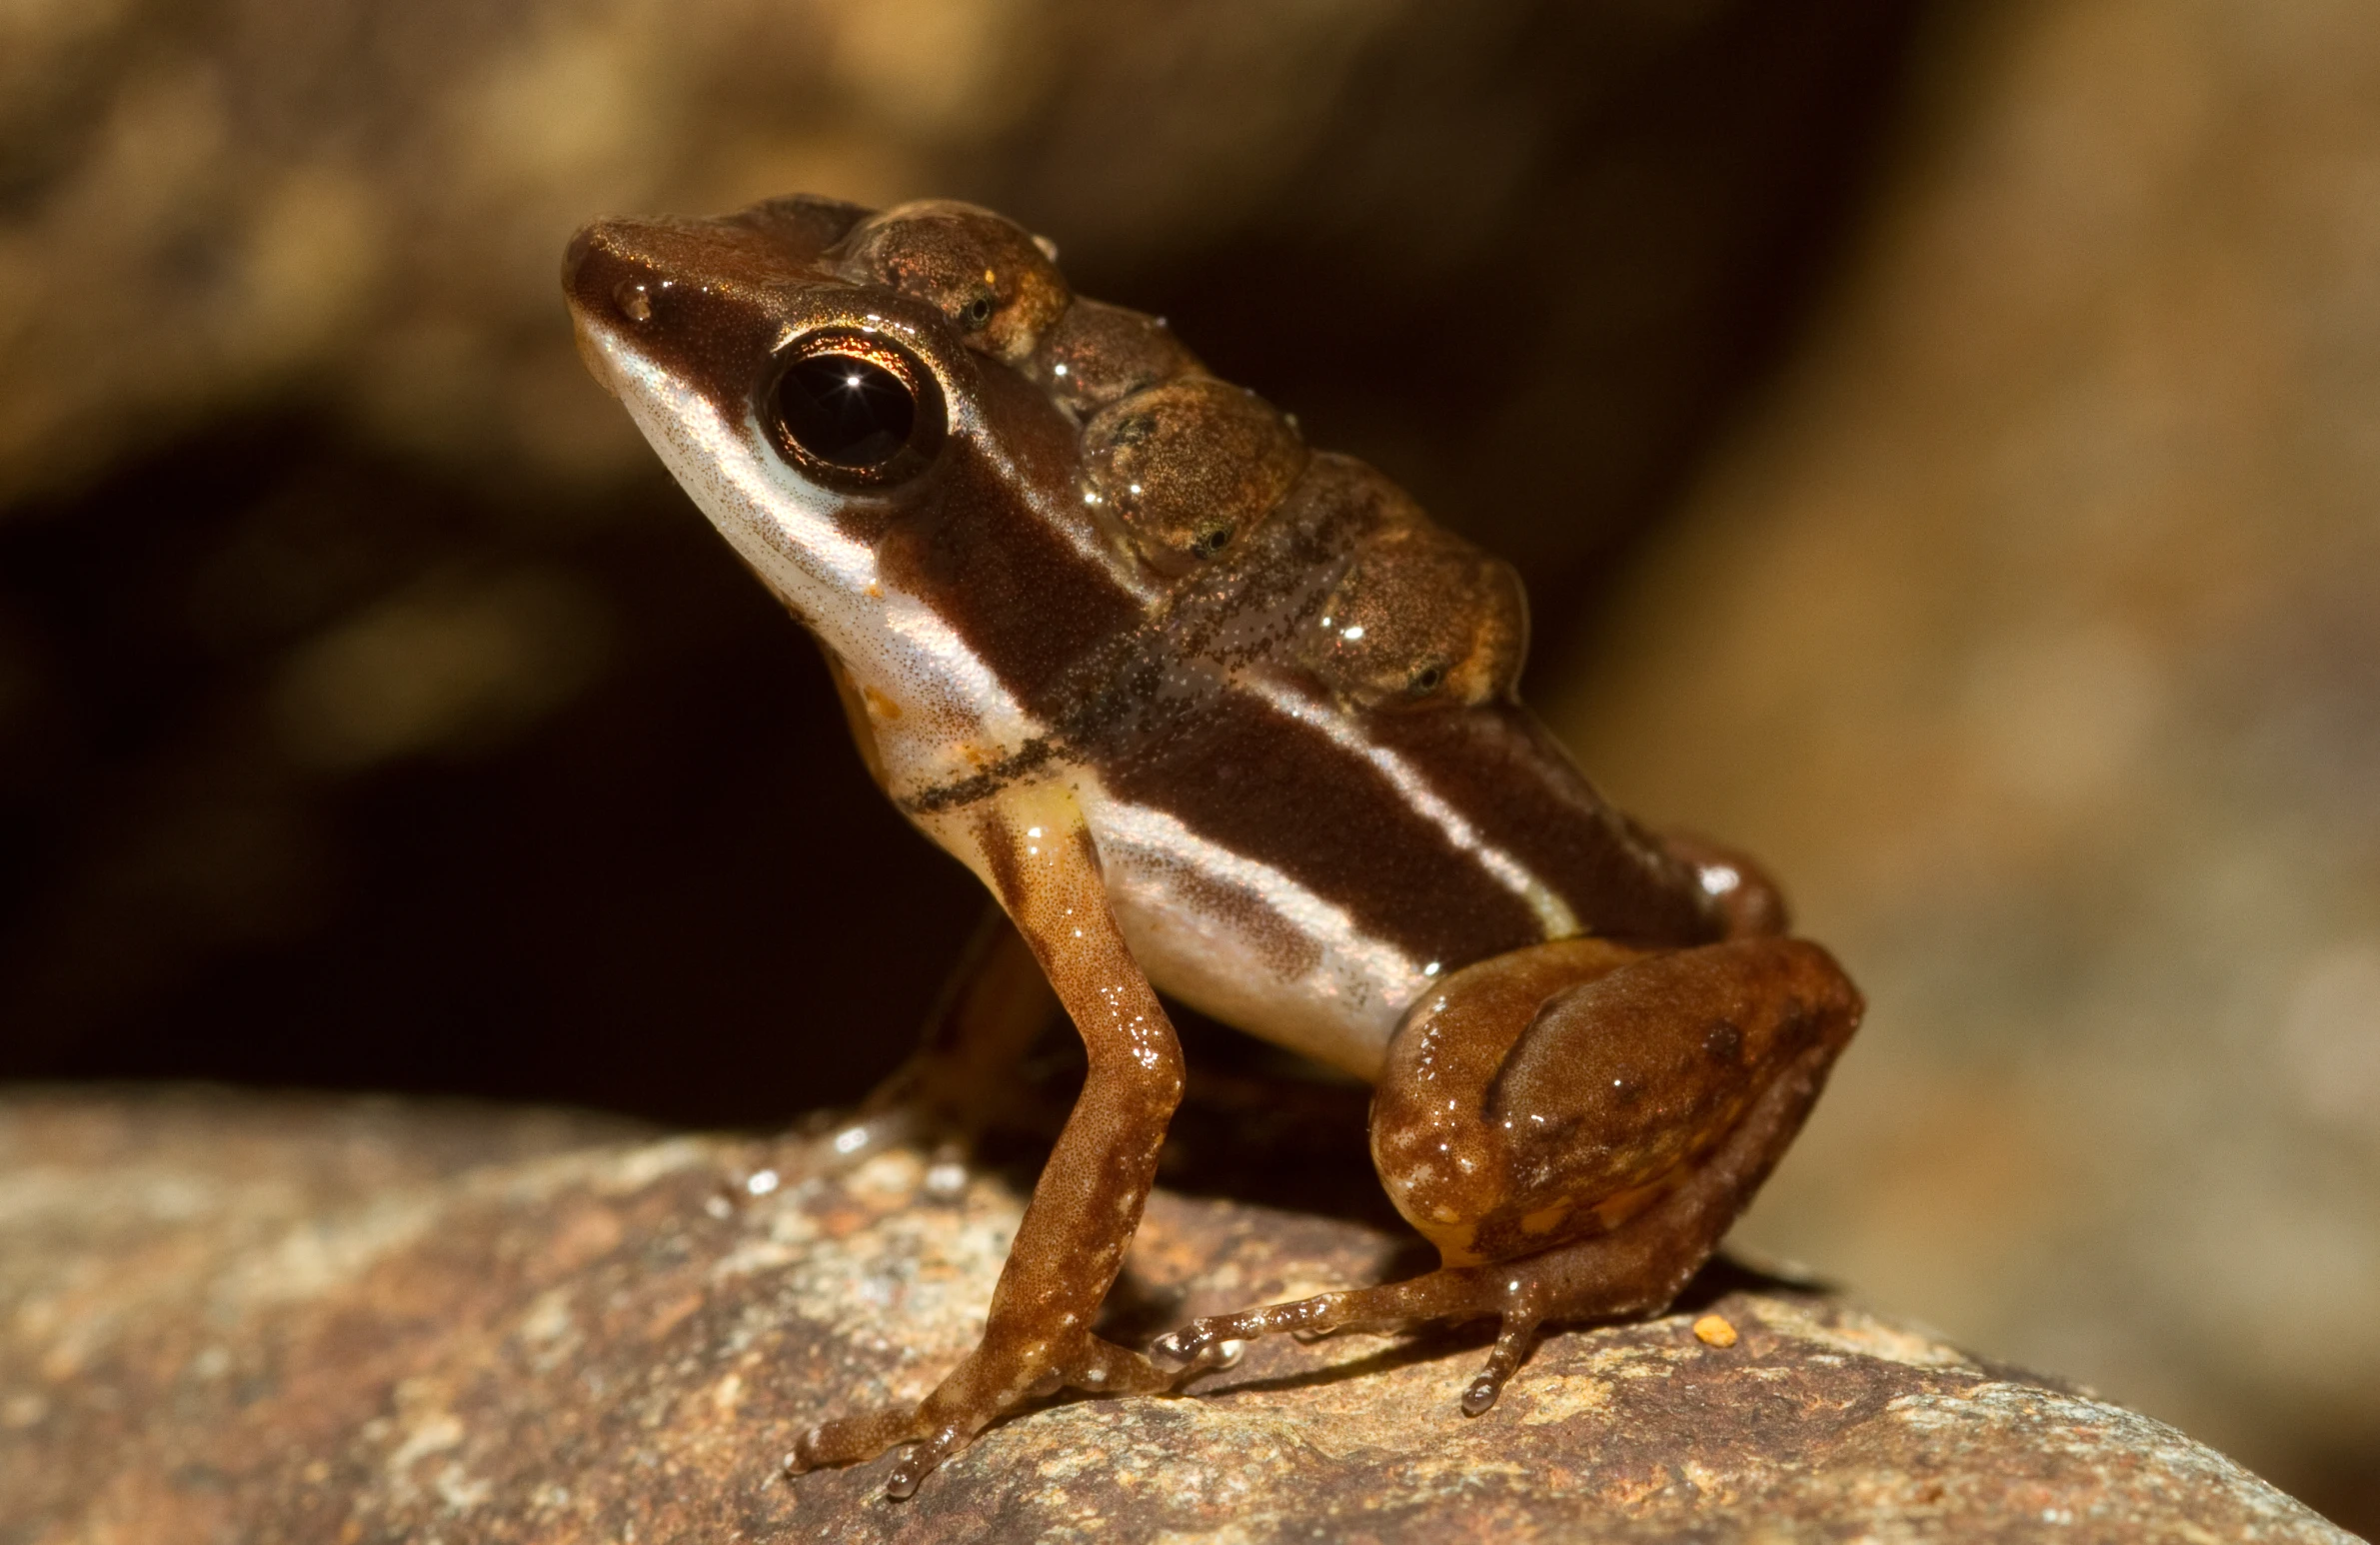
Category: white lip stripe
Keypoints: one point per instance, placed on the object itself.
(797, 544)
(1124, 830)
(785, 530)
(1553, 914)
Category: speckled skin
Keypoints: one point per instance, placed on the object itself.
(1208, 710)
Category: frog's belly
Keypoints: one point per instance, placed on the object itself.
(1239, 940)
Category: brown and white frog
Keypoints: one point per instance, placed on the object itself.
(1210, 713)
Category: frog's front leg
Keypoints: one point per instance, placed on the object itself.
(1575, 1125)
(963, 1079)
(1041, 864)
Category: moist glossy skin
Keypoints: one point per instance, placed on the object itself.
(1210, 709)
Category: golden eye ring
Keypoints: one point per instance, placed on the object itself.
(854, 410)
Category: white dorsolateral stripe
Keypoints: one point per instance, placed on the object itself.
(1553, 914)
(784, 529)
(1130, 832)
(1079, 535)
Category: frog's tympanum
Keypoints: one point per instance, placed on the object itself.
(1211, 711)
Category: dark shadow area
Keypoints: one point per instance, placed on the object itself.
(672, 891)
(1542, 347)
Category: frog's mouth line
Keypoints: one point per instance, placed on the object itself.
(595, 352)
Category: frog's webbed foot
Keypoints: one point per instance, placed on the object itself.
(992, 1383)
(1679, 1079)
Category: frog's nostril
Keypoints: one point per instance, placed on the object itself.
(598, 272)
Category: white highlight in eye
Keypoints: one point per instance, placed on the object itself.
(1553, 914)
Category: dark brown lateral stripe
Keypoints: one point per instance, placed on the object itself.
(1517, 788)
(1248, 779)
(987, 561)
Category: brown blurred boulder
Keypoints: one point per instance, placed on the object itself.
(355, 1321)
(2033, 631)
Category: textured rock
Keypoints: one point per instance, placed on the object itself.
(340, 1321)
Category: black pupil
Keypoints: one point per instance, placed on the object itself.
(847, 410)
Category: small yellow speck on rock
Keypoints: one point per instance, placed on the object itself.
(1711, 1331)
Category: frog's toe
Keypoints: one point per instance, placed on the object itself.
(1195, 1349)
(1514, 1338)
(856, 1440)
(851, 1439)
(981, 1391)
(843, 1141)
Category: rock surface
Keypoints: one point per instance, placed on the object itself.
(228, 1317)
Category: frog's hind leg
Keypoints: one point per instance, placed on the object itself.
(1575, 1126)
(963, 1079)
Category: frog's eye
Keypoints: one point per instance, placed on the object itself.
(855, 411)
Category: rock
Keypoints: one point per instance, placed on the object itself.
(2042, 585)
(337, 1320)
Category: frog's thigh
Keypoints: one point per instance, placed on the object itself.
(1557, 1092)
(1576, 1126)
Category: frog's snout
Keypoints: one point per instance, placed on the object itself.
(599, 278)
(573, 259)
(582, 262)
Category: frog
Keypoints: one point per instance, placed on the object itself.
(1213, 713)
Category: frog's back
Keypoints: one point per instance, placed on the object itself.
(1317, 791)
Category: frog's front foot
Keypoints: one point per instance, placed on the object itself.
(993, 1382)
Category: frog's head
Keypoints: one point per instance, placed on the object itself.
(967, 480)
(881, 413)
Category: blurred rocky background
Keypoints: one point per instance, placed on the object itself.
(1944, 442)
(2032, 625)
